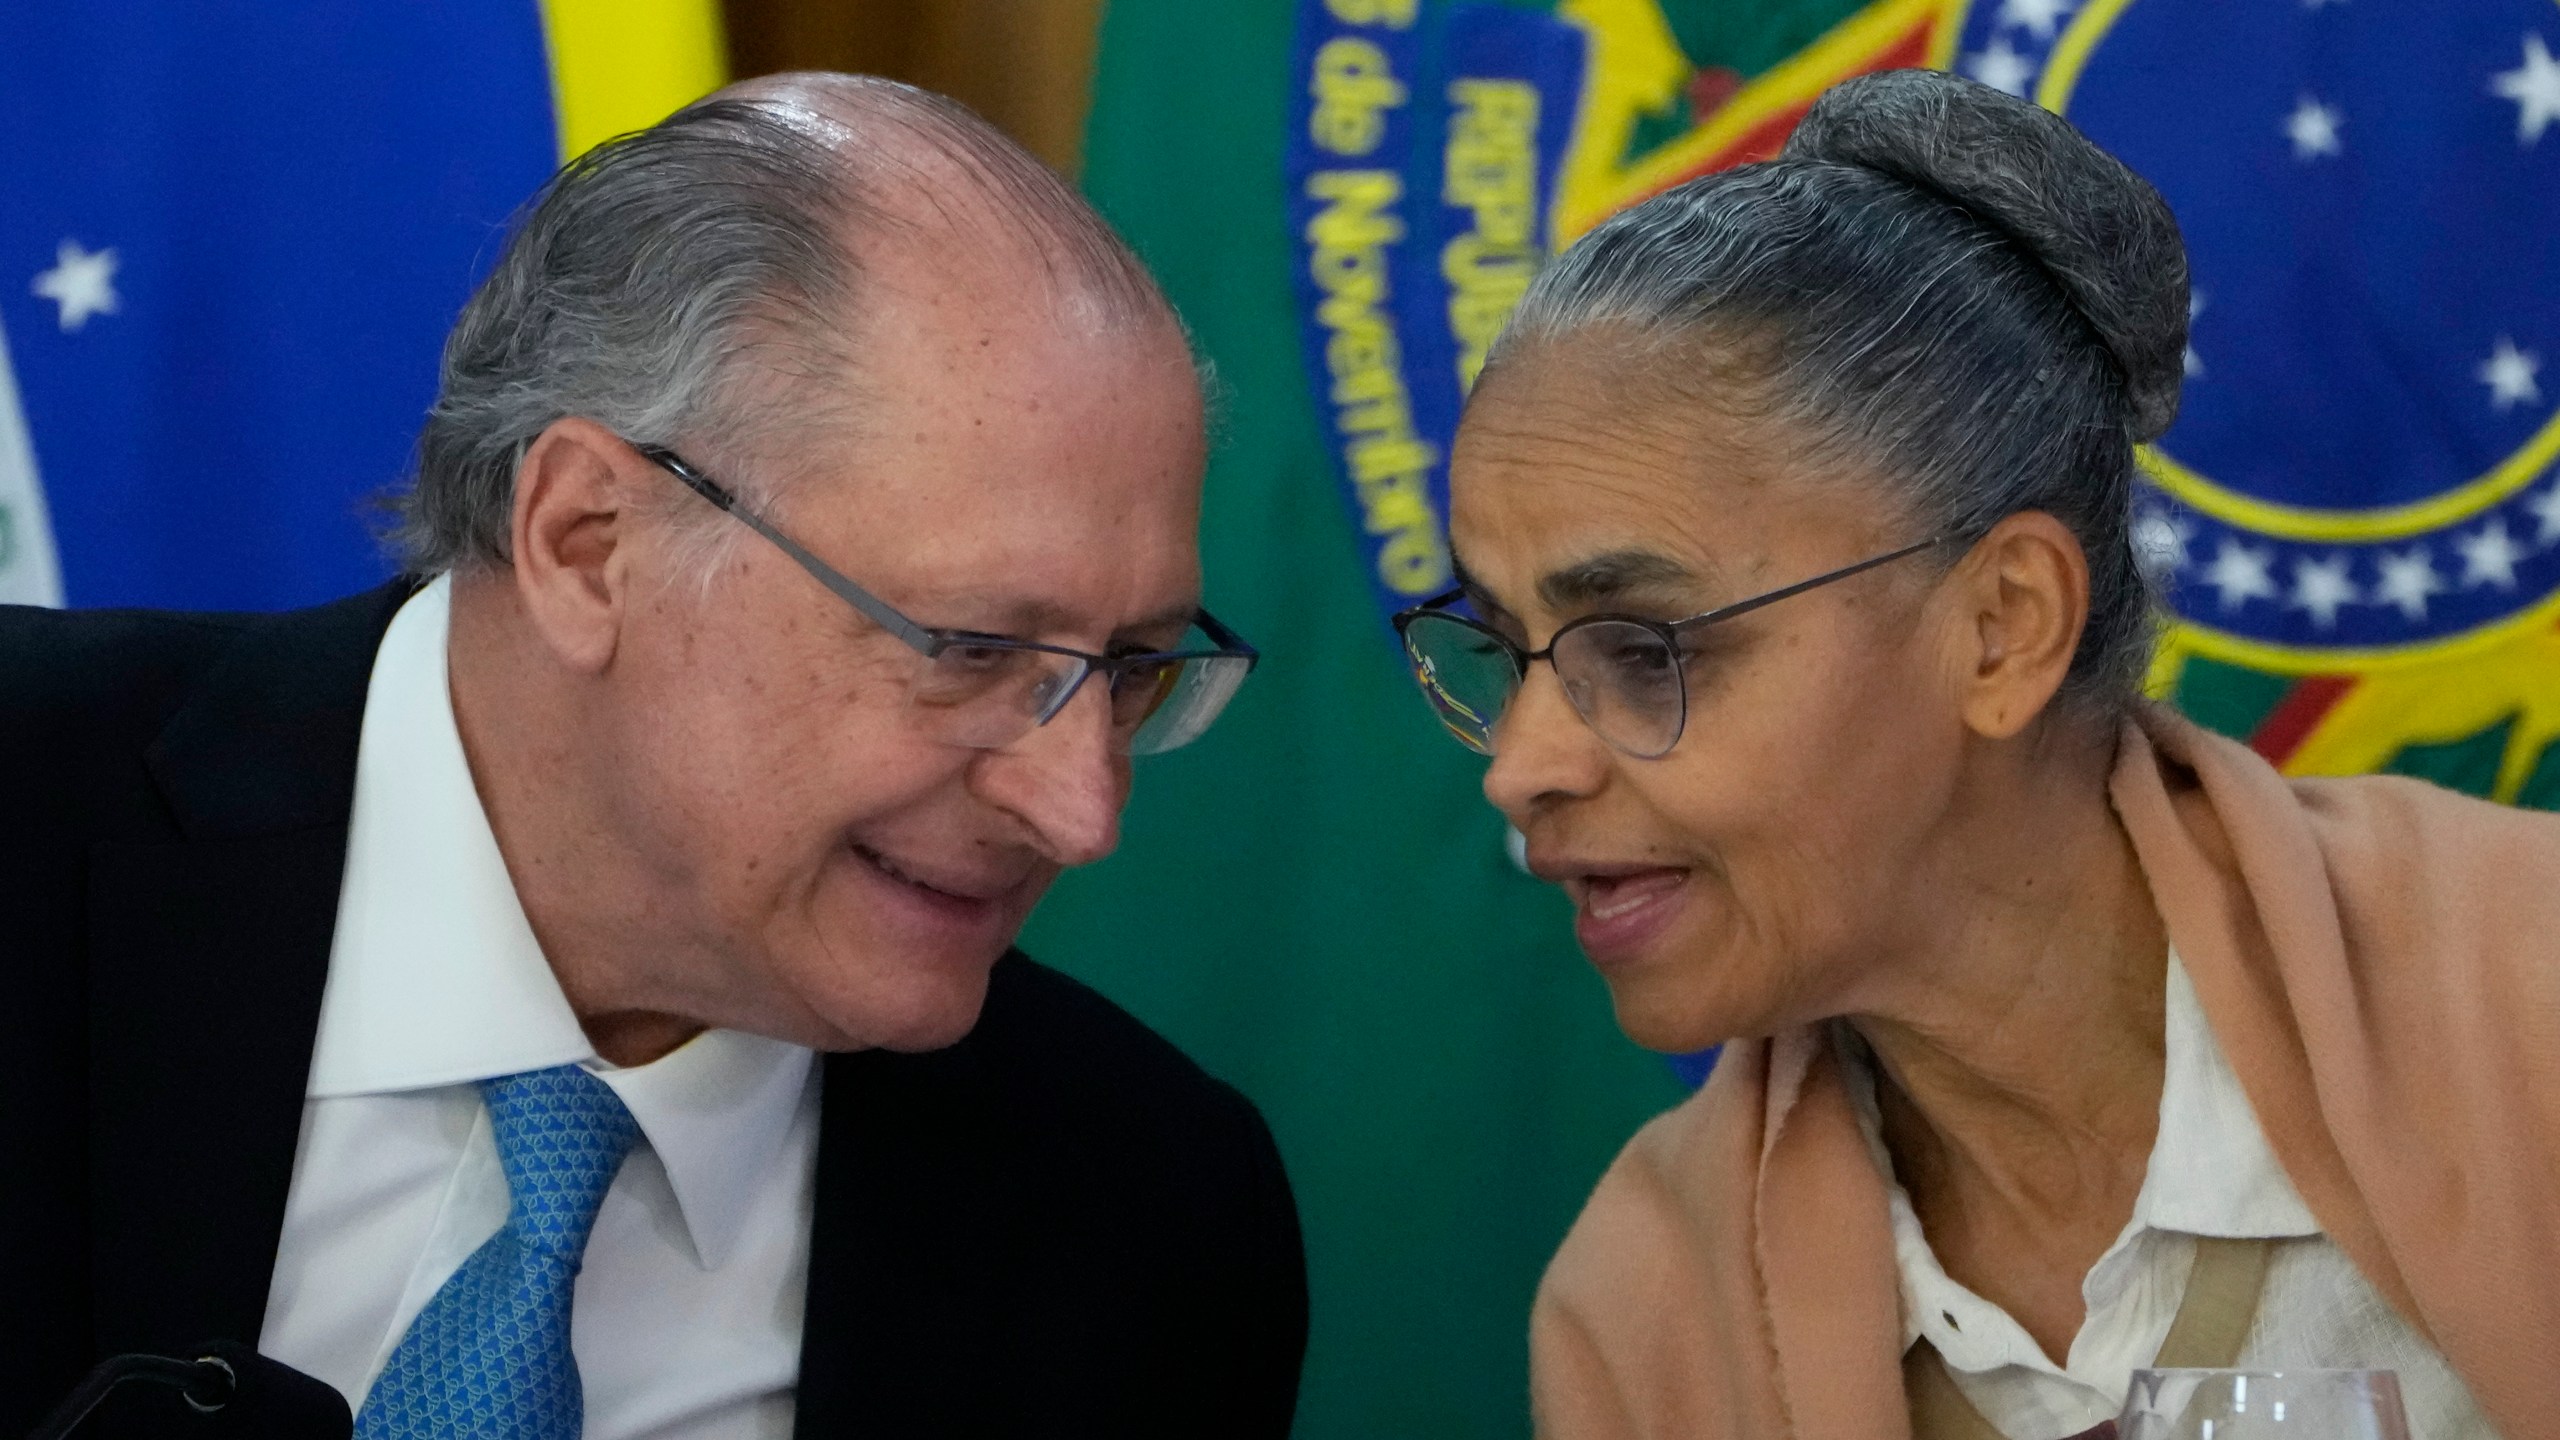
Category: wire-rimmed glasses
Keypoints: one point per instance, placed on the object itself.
(984, 692)
(1626, 675)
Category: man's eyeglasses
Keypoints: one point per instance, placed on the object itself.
(987, 691)
(1625, 675)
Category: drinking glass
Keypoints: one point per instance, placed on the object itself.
(2263, 1405)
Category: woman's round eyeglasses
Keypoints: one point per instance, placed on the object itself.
(1626, 675)
(985, 691)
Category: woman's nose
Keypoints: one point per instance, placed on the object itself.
(1542, 750)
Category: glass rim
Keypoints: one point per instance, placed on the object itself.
(931, 643)
(2255, 1372)
(1667, 632)
(1477, 732)
(1178, 708)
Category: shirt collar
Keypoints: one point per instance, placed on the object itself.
(435, 977)
(2211, 1172)
(717, 1110)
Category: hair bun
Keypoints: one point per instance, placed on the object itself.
(2100, 230)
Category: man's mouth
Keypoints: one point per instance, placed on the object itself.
(968, 891)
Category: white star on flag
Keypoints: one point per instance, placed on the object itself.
(2001, 67)
(2489, 556)
(2535, 88)
(2546, 508)
(2321, 4)
(2313, 128)
(2240, 573)
(2039, 16)
(82, 283)
(30, 571)
(2322, 587)
(2509, 372)
(2160, 543)
(2407, 581)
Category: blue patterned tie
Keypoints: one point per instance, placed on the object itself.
(488, 1358)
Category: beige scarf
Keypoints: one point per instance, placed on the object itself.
(2380, 960)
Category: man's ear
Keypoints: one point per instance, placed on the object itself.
(2025, 593)
(571, 534)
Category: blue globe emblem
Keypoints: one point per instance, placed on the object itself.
(2367, 461)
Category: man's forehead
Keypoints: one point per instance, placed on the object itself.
(1034, 615)
(1029, 601)
(941, 293)
(1007, 570)
(986, 517)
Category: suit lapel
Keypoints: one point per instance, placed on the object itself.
(912, 1245)
(208, 955)
(207, 965)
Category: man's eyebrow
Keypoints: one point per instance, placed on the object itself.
(1040, 618)
(1612, 576)
(1178, 620)
(1029, 619)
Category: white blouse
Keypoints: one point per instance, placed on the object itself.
(2211, 1173)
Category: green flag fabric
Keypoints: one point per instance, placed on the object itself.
(1315, 900)
(2354, 526)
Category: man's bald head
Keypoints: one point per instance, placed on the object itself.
(923, 173)
(673, 283)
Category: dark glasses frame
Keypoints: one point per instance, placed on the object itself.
(931, 641)
(1668, 631)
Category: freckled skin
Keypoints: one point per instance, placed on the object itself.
(693, 857)
(1803, 774)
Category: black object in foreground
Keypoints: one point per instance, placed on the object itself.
(227, 1389)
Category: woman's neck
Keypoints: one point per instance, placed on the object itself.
(2020, 1040)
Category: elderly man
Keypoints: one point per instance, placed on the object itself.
(569, 990)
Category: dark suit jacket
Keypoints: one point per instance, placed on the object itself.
(1058, 1226)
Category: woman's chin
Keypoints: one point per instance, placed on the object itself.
(1672, 1018)
(1687, 1001)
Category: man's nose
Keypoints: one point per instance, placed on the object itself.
(1064, 781)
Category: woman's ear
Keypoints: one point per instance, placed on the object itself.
(2024, 592)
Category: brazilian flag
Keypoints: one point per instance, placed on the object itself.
(234, 237)
(2355, 522)
(231, 240)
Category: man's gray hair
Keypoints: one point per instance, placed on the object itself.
(672, 283)
(1938, 281)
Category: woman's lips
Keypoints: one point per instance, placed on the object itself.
(1617, 914)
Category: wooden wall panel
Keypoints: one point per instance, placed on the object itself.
(1027, 65)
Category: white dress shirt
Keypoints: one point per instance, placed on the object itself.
(2211, 1173)
(686, 1321)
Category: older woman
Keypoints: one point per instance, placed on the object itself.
(2062, 1038)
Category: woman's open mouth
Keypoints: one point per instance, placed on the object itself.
(1619, 912)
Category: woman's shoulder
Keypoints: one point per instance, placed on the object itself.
(2403, 861)
(2423, 823)
(1659, 1193)
(2438, 881)
(1675, 1208)
(1635, 1301)
(1749, 1216)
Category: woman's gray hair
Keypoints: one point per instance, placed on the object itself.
(672, 283)
(1943, 282)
